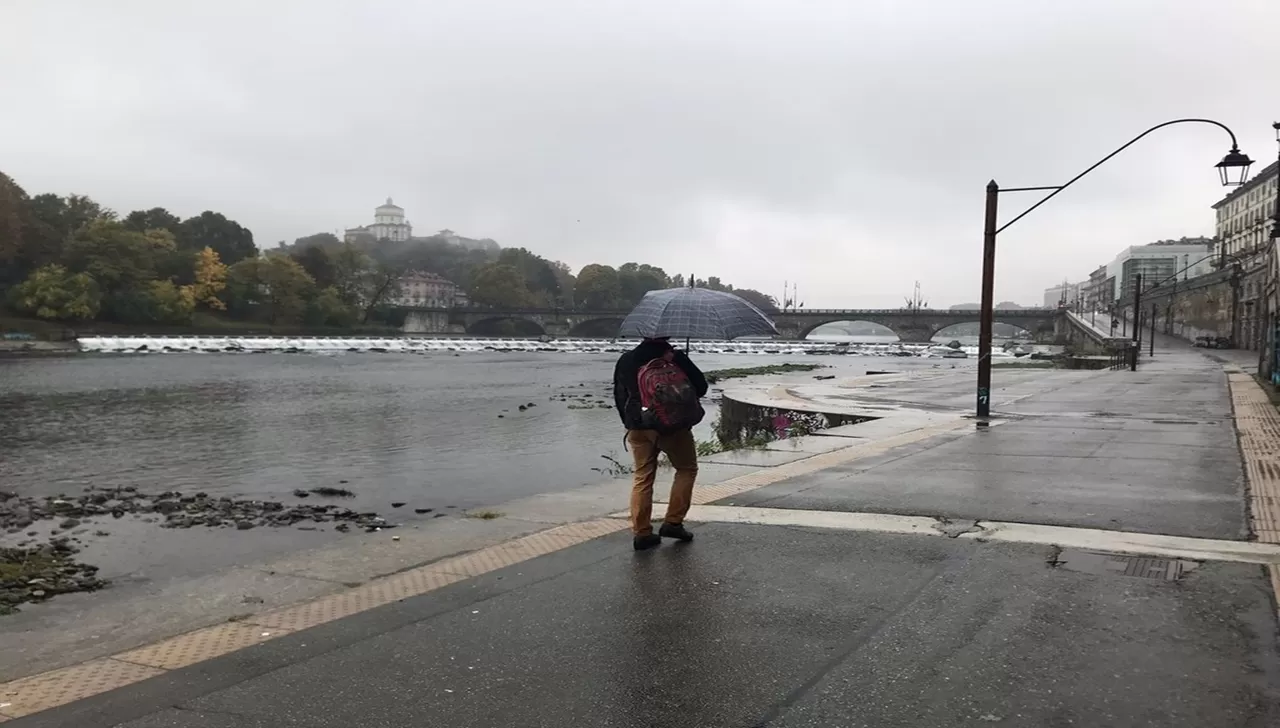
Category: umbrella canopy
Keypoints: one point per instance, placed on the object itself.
(695, 313)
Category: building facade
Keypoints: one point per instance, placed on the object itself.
(1158, 264)
(428, 290)
(1093, 290)
(1243, 225)
(1065, 294)
(389, 223)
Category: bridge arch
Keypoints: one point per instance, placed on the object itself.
(602, 328)
(506, 326)
(854, 328)
(1001, 329)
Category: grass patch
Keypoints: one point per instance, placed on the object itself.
(719, 375)
(484, 515)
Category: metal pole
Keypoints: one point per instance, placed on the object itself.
(988, 302)
(1152, 344)
(1137, 332)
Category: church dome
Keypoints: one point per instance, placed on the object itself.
(389, 207)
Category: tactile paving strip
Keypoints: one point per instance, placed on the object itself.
(46, 690)
(201, 645)
(1258, 426)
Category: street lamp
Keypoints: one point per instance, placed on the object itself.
(1232, 170)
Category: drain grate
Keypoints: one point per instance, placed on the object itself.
(1174, 422)
(1141, 567)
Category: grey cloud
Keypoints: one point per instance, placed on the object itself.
(842, 145)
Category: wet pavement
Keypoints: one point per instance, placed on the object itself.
(759, 625)
(756, 626)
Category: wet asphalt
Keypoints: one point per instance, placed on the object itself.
(780, 626)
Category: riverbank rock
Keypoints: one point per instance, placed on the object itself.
(38, 573)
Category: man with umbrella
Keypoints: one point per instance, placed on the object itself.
(656, 389)
(638, 395)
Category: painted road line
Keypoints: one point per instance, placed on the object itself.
(1142, 544)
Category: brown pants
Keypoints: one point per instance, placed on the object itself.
(683, 454)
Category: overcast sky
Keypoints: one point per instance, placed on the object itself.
(843, 145)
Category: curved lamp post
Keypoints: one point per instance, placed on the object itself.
(1233, 170)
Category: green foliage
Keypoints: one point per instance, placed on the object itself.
(636, 279)
(228, 239)
(500, 285)
(157, 218)
(316, 260)
(328, 309)
(598, 288)
(170, 304)
(272, 288)
(53, 292)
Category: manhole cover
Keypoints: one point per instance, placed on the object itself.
(1142, 567)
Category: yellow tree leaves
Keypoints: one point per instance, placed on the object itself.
(210, 280)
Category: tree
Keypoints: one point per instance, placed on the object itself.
(274, 287)
(210, 279)
(170, 304)
(499, 285)
(350, 266)
(328, 309)
(317, 261)
(53, 292)
(636, 279)
(232, 242)
(121, 261)
(381, 283)
(762, 301)
(13, 214)
(157, 218)
(566, 282)
(539, 277)
(67, 215)
(598, 288)
(323, 240)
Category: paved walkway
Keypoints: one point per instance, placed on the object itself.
(900, 581)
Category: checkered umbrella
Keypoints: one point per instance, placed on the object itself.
(695, 313)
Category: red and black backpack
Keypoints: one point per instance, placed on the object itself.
(668, 401)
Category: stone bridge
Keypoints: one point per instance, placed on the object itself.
(910, 325)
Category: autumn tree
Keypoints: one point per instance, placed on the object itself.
(598, 288)
(566, 282)
(210, 280)
(53, 292)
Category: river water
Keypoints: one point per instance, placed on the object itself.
(438, 430)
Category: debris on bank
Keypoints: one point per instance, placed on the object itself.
(178, 510)
(719, 375)
(36, 574)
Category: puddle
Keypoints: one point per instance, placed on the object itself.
(1141, 567)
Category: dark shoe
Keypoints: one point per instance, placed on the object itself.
(676, 531)
(647, 541)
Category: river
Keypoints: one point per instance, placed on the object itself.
(438, 430)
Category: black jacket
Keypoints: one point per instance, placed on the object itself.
(626, 375)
